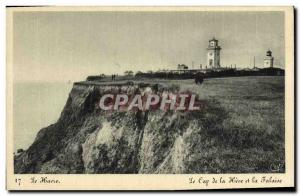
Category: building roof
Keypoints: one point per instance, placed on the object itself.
(213, 39)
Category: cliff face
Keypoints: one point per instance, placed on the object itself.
(86, 139)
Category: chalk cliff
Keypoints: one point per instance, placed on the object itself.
(86, 139)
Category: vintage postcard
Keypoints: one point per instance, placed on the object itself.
(150, 98)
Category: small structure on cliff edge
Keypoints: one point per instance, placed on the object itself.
(182, 67)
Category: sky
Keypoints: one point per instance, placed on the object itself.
(63, 46)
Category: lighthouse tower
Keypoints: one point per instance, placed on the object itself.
(213, 54)
(269, 59)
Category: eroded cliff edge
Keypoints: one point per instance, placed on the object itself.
(86, 139)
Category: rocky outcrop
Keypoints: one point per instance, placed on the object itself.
(86, 139)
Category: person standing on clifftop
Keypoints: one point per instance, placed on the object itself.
(113, 77)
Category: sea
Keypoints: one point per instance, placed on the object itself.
(36, 105)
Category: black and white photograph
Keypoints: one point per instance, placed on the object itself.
(194, 93)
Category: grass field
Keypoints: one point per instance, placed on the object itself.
(246, 130)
